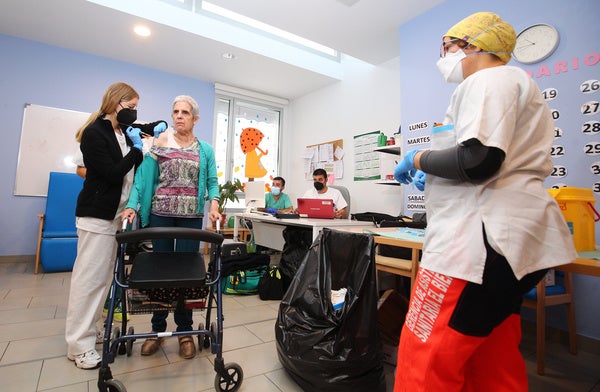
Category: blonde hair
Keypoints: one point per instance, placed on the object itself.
(116, 92)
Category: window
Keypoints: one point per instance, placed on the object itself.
(246, 140)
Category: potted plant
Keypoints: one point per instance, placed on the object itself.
(227, 193)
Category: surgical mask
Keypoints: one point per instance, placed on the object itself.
(450, 66)
(126, 116)
(275, 191)
(318, 186)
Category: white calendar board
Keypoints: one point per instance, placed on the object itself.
(47, 144)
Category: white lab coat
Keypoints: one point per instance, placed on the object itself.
(502, 107)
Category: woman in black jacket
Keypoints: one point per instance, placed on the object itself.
(111, 145)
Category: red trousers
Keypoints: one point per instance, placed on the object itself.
(434, 356)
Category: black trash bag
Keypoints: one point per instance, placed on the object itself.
(333, 350)
(297, 242)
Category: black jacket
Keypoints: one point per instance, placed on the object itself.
(105, 169)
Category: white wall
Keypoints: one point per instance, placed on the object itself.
(368, 99)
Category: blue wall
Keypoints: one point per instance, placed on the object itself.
(40, 74)
(425, 96)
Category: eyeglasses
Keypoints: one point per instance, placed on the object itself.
(448, 44)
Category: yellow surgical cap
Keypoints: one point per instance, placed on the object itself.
(487, 31)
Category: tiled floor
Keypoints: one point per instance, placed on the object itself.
(32, 347)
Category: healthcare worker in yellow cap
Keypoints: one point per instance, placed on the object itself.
(493, 230)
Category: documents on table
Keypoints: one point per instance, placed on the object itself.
(403, 233)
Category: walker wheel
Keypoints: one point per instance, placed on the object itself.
(232, 381)
(129, 343)
(201, 337)
(207, 339)
(121, 349)
(213, 330)
(113, 385)
(115, 335)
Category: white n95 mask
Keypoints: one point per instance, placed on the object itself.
(450, 66)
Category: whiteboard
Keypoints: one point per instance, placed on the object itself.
(47, 144)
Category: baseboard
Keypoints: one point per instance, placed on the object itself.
(560, 336)
(18, 259)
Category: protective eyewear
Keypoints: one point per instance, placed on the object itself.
(448, 44)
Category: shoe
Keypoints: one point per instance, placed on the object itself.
(187, 348)
(151, 345)
(117, 315)
(88, 360)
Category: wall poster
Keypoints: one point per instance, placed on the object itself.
(327, 156)
(366, 161)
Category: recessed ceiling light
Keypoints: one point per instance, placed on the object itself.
(142, 31)
(228, 56)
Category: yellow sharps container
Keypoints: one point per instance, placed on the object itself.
(577, 206)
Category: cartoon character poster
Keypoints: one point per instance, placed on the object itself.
(249, 142)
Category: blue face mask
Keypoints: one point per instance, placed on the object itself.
(275, 190)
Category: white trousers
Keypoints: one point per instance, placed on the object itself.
(92, 270)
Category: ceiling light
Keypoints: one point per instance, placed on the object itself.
(228, 56)
(142, 31)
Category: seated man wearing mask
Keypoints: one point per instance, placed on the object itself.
(276, 201)
(322, 191)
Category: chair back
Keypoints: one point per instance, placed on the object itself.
(63, 189)
(345, 194)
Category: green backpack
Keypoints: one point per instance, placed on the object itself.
(243, 282)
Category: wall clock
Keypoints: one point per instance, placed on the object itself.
(535, 43)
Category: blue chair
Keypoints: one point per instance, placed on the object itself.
(57, 235)
(542, 296)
